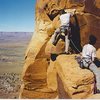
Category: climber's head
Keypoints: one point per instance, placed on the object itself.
(92, 39)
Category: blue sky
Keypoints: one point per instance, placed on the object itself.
(17, 15)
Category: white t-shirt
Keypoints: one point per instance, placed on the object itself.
(89, 51)
(65, 19)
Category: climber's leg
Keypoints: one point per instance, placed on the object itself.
(57, 39)
(66, 43)
(54, 38)
(66, 33)
(96, 72)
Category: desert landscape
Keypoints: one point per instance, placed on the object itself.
(43, 71)
(12, 49)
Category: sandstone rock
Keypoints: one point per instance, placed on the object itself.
(52, 76)
(50, 48)
(34, 77)
(37, 95)
(36, 70)
(95, 96)
(98, 53)
(77, 82)
(92, 6)
(37, 56)
(97, 3)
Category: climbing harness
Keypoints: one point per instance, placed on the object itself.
(84, 63)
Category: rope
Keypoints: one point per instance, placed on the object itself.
(75, 46)
(73, 42)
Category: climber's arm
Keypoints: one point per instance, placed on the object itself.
(73, 12)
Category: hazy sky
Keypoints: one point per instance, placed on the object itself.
(17, 15)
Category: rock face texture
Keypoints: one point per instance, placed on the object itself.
(77, 82)
(39, 69)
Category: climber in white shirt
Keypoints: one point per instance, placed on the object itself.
(89, 51)
(89, 56)
(64, 28)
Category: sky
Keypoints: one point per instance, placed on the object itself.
(17, 15)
